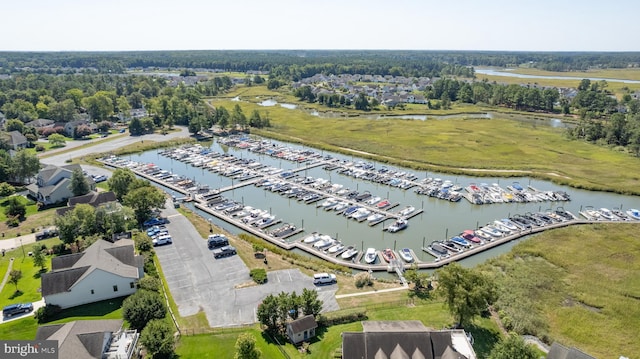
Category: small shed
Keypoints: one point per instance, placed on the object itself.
(302, 329)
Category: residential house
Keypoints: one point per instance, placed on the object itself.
(405, 339)
(559, 351)
(15, 140)
(93, 198)
(70, 127)
(40, 124)
(302, 329)
(89, 339)
(53, 182)
(103, 271)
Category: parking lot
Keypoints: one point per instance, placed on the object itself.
(197, 281)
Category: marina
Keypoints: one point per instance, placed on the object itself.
(366, 207)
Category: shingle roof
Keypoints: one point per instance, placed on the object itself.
(305, 323)
(112, 257)
(82, 339)
(559, 351)
(93, 198)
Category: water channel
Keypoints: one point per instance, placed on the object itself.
(441, 219)
(508, 73)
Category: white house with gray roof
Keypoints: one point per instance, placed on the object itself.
(53, 184)
(103, 271)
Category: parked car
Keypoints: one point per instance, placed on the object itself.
(155, 230)
(13, 309)
(99, 178)
(224, 251)
(217, 241)
(154, 222)
(324, 278)
(47, 233)
(162, 240)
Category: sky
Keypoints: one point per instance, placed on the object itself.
(497, 25)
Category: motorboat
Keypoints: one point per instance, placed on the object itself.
(438, 249)
(324, 242)
(312, 238)
(349, 253)
(483, 235)
(470, 236)
(407, 211)
(370, 255)
(398, 225)
(506, 222)
(500, 227)
(328, 203)
(375, 217)
(351, 210)
(383, 204)
(373, 200)
(607, 215)
(340, 206)
(388, 255)
(633, 213)
(335, 248)
(591, 214)
(361, 214)
(492, 231)
(264, 221)
(461, 241)
(405, 254)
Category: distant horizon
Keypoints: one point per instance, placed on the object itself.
(336, 50)
(402, 25)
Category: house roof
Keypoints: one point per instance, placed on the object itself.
(93, 198)
(559, 351)
(113, 257)
(80, 339)
(41, 122)
(49, 171)
(305, 323)
(398, 339)
(16, 138)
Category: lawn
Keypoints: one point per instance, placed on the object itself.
(30, 205)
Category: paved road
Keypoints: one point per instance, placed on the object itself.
(198, 281)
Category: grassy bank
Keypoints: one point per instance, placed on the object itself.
(477, 147)
(577, 285)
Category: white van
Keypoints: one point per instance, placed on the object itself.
(163, 239)
(324, 278)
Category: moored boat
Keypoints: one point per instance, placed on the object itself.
(312, 238)
(324, 242)
(370, 255)
(388, 255)
(335, 248)
(470, 236)
(405, 254)
(407, 211)
(349, 253)
(398, 225)
(633, 213)
(383, 204)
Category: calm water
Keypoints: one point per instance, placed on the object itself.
(440, 219)
(506, 73)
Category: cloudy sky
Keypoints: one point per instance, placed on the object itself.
(113, 25)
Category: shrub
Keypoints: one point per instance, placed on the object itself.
(6, 189)
(259, 275)
(46, 313)
(39, 148)
(342, 318)
(363, 279)
(149, 283)
(13, 221)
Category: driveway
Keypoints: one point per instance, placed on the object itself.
(197, 281)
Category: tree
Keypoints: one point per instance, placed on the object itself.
(81, 131)
(6, 189)
(135, 127)
(466, 292)
(79, 185)
(39, 260)
(420, 280)
(25, 165)
(157, 338)
(56, 140)
(119, 182)
(68, 227)
(14, 125)
(310, 302)
(143, 201)
(143, 306)
(268, 313)
(513, 346)
(99, 106)
(14, 277)
(361, 103)
(15, 208)
(246, 347)
(62, 111)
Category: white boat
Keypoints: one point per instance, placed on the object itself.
(335, 248)
(508, 223)
(398, 225)
(492, 231)
(405, 254)
(501, 227)
(325, 241)
(312, 238)
(370, 255)
(375, 217)
(330, 202)
(633, 213)
(361, 214)
(407, 211)
(349, 253)
(340, 206)
(607, 215)
(373, 200)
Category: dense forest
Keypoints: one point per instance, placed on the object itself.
(296, 64)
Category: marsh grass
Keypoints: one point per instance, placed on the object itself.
(582, 282)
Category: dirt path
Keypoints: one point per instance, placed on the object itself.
(6, 275)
